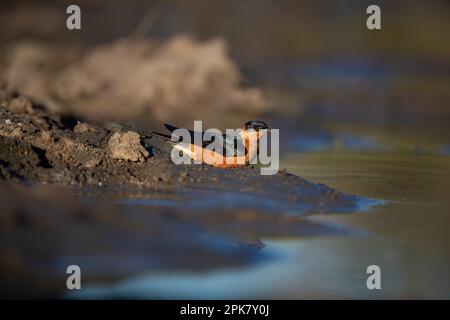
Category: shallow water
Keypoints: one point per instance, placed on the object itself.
(408, 237)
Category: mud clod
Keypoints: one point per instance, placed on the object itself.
(127, 146)
(82, 127)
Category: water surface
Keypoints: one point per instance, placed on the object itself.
(408, 236)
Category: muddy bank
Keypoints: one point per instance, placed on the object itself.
(103, 198)
(40, 147)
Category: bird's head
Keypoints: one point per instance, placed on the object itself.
(256, 125)
(255, 129)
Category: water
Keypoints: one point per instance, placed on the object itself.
(408, 237)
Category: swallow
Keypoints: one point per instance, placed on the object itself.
(237, 149)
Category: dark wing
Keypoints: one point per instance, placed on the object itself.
(204, 144)
(161, 136)
(171, 128)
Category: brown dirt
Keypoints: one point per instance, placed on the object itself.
(217, 215)
(41, 147)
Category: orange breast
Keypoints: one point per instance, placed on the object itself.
(216, 159)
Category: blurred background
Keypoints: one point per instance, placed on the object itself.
(364, 111)
(176, 60)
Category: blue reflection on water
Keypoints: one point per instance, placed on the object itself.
(204, 199)
(219, 284)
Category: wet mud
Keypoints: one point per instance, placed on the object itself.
(74, 192)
